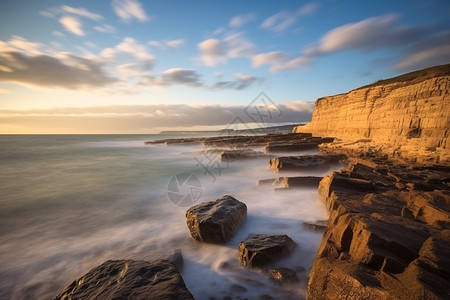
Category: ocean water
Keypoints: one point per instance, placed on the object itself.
(70, 202)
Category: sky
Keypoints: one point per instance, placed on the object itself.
(135, 66)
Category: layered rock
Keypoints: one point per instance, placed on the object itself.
(259, 250)
(129, 279)
(406, 117)
(304, 162)
(216, 221)
(388, 235)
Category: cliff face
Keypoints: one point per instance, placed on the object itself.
(405, 119)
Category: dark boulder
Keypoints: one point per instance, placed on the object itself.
(259, 250)
(216, 221)
(129, 279)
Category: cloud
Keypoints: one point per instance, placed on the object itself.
(131, 48)
(128, 10)
(283, 20)
(134, 48)
(238, 46)
(175, 43)
(212, 52)
(241, 82)
(142, 119)
(43, 71)
(429, 52)
(21, 44)
(270, 58)
(105, 28)
(181, 76)
(241, 20)
(72, 25)
(215, 51)
(368, 35)
(82, 12)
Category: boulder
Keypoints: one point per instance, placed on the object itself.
(216, 221)
(129, 279)
(259, 250)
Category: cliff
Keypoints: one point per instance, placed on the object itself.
(406, 117)
(388, 235)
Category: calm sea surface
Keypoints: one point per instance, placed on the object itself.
(70, 202)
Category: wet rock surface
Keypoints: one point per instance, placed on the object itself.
(304, 162)
(387, 234)
(129, 279)
(260, 250)
(284, 275)
(216, 221)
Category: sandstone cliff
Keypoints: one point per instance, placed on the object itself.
(406, 117)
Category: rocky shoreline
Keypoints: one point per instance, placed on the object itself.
(388, 233)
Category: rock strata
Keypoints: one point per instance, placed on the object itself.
(129, 279)
(216, 221)
(260, 250)
(389, 230)
(305, 162)
(404, 118)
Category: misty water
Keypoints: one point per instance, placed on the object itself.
(70, 202)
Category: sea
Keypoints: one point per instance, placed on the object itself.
(70, 202)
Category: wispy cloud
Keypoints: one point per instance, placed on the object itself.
(233, 45)
(82, 12)
(434, 50)
(142, 119)
(72, 25)
(173, 44)
(241, 20)
(129, 10)
(105, 28)
(240, 82)
(368, 35)
(283, 20)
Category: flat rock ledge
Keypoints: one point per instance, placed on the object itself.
(260, 250)
(304, 162)
(216, 221)
(388, 235)
(129, 279)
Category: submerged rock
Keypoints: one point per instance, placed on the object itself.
(129, 279)
(216, 221)
(259, 250)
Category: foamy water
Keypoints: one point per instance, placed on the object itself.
(68, 203)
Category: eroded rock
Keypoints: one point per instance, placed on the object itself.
(129, 279)
(216, 221)
(259, 250)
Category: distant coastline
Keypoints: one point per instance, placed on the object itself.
(263, 130)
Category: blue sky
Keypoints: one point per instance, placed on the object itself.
(129, 66)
